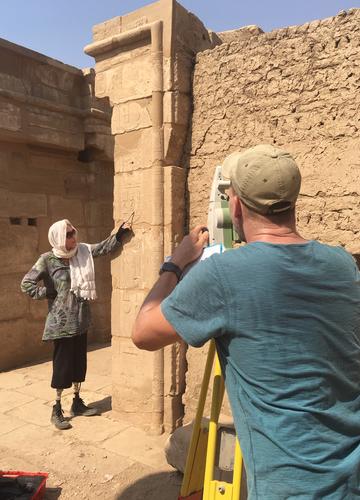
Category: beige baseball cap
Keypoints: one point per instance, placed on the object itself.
(265, 178)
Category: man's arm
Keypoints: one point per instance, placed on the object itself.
(152, 331)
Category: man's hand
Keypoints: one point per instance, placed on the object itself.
(152, 330)
(191, 247)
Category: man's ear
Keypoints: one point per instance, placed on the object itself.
(238, 210)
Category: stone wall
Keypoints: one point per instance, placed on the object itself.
(55, 163)
(297, 88)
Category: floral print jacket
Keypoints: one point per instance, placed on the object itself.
(68, 315)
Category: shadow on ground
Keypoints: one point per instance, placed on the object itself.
(94, 346)
(103, 405)
(52, 493)
(161, 486)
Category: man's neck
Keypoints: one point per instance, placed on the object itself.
(280, 238)
(273, 233)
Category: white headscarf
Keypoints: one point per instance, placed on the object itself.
(57, 239)
(81, 261)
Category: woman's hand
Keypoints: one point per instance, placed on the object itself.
(124, 230)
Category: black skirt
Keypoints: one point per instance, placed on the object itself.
(69, 361)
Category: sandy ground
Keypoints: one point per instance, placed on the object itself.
(99, 457)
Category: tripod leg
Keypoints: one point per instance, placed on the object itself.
(189, 467)
(217, 396)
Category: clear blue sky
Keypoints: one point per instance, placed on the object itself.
(61, 28)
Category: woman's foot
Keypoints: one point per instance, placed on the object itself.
(58, 419)
(79, 408)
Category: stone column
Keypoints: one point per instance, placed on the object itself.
(144, 64)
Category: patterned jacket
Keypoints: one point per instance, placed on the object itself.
(68, 315)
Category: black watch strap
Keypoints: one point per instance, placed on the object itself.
(170, 267)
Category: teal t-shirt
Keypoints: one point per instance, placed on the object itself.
(286, 319)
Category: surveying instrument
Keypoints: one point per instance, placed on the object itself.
(199, 482)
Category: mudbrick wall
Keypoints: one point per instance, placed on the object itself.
(297, 88)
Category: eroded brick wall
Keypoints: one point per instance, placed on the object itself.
(297, 88)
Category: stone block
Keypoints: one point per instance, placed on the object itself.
(8, 424)
(53, 120)
(134, 192)
(39, 389)
(175, 368)
(103, 284)
(10, 116)
(125, 305)
(18, 247)
(98, 213)
(130, 79)
(44, 440)
(76, 184)
(182, 68)
(4, 172)
(191, 32)
(132, 151)
(13, 399)
(108, 28)
(174, 143)
(55, 129)
(4, 202)
(99, 430)
(66, 208)
(100, 181)
(35, 412)
(138, 265)
(38, 309)
(174, 207)
(42, 225)
(176, 447)
(40, 172)
(14, 84)
(101, 318)
(27, 205)
(131, 115)
(177, 108)
(143, 449)
(101, 84)
(22, 343)
(13, 379)
(13, 303)
(132, 370)
(96, 235)
(129, 361)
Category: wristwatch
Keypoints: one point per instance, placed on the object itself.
(170, 267)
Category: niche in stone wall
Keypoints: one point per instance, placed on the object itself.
(23, 221)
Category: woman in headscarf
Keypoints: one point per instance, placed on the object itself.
(68, 276)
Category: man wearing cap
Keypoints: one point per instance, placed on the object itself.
(285, 315)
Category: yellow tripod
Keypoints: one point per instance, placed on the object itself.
(198, 482)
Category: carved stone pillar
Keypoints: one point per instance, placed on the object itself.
(143, 64)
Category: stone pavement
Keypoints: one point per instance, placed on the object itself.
(98, 457)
